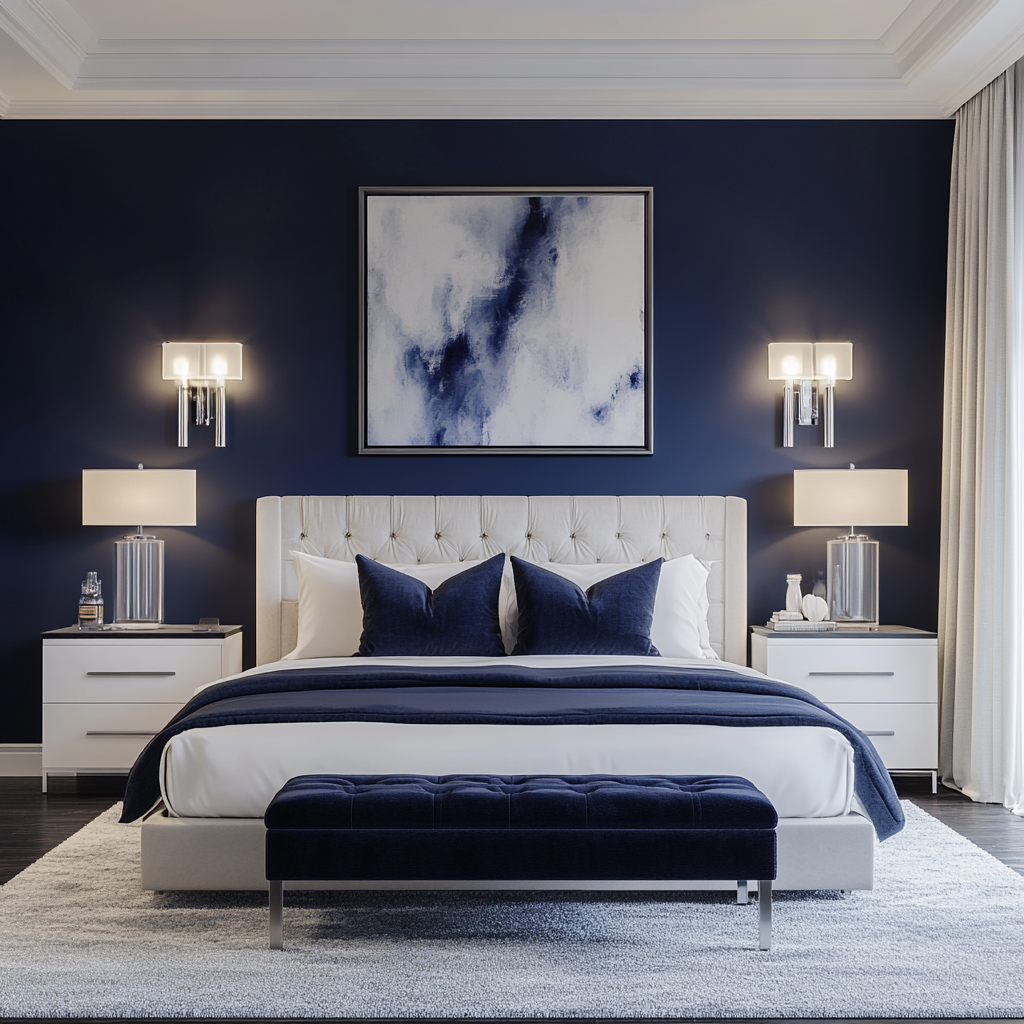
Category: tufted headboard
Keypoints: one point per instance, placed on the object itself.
(550, 528)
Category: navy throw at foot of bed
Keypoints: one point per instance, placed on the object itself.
(520, 828)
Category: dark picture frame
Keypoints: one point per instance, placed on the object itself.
(505, 320)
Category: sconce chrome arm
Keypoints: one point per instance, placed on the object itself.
(183, 400)
(220, 435)
(829, 413)
(787, 415)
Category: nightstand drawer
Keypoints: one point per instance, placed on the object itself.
(873, 672)
(106, 736)
(125, 672)
(905, 735)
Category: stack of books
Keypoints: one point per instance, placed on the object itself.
(794, 622)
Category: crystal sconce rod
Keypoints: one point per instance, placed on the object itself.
(811, 366)
(195, 365)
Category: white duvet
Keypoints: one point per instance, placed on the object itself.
(233, 771)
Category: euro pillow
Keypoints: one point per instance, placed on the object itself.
(679, 628)
(403, 616)
(613, 616)
(330, 609)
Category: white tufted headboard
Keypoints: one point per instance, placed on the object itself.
(550, 528)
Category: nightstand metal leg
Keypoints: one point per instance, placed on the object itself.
(935, 782)
(276, 914)
(44, 781)
(741, 892)
(764, 913)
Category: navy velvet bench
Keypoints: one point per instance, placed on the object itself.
(520, 828)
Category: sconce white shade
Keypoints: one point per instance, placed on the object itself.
(205, 360)
(833, 360)
(790, 360)
(138, 497)
(850, 497)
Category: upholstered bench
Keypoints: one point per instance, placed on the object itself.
(520, 828)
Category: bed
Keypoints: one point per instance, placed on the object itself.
(216, 775)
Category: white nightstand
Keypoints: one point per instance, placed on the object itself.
(106, 693)
(885, 681)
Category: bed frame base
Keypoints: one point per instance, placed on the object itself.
(228, 853)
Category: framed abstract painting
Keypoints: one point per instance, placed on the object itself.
(505, 320)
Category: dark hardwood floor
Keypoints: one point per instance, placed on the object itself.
(31, 823)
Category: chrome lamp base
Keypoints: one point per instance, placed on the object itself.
(138, 582)
(853, 581)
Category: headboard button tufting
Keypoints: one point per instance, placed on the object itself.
(437, 536)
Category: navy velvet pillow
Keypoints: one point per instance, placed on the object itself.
(403, 616)
(612, 617)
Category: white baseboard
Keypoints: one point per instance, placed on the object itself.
(21, 759)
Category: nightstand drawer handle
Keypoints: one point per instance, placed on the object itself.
(130, 673)
(882, 732)
(128, 732)
(851, 673)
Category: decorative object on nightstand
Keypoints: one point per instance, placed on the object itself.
(194, 365)
(90, 604)
(883, 680)
(124, 497)
(105, 694)
(866, 497)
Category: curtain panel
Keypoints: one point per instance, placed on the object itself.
(980, 599)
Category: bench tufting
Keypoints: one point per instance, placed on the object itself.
(520, 828)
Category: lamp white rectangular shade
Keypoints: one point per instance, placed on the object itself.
(833, 360)
(138, 497)
(850, 497)
(790, 360)
(202, 360)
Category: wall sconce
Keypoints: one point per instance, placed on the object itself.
(808, 363)
(194, 365)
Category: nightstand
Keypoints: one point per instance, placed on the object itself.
(107, 692)
(885, 681)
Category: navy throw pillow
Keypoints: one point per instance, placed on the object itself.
(403, 616)
(612, 617)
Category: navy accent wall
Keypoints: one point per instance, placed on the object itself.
(121, 234)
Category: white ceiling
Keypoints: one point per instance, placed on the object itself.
(501, 58)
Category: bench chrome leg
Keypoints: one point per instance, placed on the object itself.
(764, 900)
(276, 914)
(741, 891)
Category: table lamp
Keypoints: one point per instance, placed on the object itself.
(866, 497)
(126, 497)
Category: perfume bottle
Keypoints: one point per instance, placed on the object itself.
(90, 604)
(819, 584)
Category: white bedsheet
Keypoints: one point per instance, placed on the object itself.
(235, 770)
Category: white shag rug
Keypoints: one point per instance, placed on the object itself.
(941, 935)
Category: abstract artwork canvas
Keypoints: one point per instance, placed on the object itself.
(505, 320)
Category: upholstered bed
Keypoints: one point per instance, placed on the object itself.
(215, 780)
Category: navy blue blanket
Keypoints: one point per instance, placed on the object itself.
(505, 694)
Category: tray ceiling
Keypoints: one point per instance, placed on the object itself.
(501, 58)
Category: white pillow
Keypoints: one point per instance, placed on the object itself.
(330, 609)
(680, 625)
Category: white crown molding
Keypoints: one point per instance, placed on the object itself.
(938, 34)
(444, 66)
(987, 70)
(53, 34)
(472, 105)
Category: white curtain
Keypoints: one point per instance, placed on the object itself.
(981, 635)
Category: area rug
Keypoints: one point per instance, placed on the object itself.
(941, 935)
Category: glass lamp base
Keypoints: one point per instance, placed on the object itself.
(853, 581)
(138, 582)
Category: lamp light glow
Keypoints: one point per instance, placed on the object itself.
(809, 362)
(195, 365)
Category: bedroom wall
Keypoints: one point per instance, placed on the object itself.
(121, 234)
